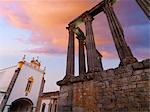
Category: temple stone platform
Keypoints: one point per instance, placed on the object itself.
(123, 89)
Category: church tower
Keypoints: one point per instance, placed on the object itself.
(26, 87)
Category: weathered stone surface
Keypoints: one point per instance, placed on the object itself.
(65, 99)
(115, 90)
(137, 66)
(146, 63)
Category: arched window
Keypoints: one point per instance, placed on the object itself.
(43, 107)
(29, 85)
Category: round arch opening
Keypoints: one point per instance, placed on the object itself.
(21, 105)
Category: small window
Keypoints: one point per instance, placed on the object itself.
(29, 85)
(43, 107)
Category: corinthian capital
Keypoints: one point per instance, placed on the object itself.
(110, 2)
(88, 18)
(70, 28)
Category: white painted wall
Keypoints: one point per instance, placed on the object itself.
(1, 96)
(18, 90)
(5, 77)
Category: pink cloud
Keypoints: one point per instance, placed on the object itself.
(46, 50)
(107, 54)
(47, 21)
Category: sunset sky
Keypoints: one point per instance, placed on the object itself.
(38, 28)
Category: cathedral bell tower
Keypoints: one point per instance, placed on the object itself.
(25, 88)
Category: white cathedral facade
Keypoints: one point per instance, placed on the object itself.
(21, 89)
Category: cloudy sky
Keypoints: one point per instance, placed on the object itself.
(37, 28)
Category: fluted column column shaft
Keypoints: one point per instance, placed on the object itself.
(90, 45)
(99, 60)
(82, 68)
(145, 6)
(123, 50)
(70, 54)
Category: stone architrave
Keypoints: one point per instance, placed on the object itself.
(70, 53)
(123, 49)
(145, 6)
(90, 46)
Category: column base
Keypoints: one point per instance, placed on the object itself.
(128, 60)
(82, 76)
(96, 69)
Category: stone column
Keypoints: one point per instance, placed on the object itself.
(90, 45)
(82, 68)
(99, 60)
(145, 6)
(123, 49)
(70, 53)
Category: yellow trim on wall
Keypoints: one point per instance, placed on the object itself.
(20, 64)
(29, 85)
